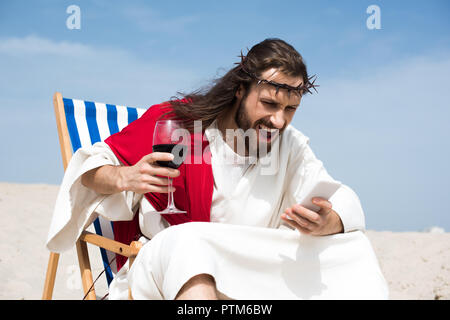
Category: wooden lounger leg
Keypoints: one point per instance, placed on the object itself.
(85, 269)
(51, 275)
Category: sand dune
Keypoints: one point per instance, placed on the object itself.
(415, 264)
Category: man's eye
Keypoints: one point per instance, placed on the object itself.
(270, 104)
(291, 108)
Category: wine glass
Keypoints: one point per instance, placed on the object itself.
(170, 136)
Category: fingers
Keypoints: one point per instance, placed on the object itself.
(163, 172)
(155, 170)
(325, 205)
(159, 181)
(147, 187)
(158, 156)
(296, 219)
(153, 183)
(310, 222)
(309, 215)
(295, 224)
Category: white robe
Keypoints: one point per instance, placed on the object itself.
(245, 247)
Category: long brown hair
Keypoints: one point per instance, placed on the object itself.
(207, 104)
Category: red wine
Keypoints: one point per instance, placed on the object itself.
(178, 150)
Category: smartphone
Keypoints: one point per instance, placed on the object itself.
(323, 189)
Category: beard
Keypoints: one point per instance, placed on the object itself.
(262, 142)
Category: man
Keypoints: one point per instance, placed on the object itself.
(231, 256)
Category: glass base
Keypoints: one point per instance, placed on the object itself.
(172, 211)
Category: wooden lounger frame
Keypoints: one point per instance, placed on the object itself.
(130, 251)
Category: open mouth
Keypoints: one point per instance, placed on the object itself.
(266, 133)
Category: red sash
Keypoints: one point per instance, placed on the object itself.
(194, 186)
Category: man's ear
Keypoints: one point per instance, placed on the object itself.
(240, 92)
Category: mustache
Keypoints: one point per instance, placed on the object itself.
(268, 124)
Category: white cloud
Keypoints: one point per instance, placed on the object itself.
(40, 66)
(33, 68)
(34, 45)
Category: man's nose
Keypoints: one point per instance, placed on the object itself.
(278, 120)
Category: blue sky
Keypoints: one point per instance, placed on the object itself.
(379, 122)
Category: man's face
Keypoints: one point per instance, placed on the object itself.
(266, 111)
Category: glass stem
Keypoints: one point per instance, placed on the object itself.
(171, 204)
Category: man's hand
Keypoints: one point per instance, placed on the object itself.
(324, 222)
(145, 176)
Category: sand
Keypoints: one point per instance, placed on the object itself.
(416, 265)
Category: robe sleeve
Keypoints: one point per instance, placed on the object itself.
(305, 170)
(77, 206)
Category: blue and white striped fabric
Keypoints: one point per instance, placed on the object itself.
(91, 122)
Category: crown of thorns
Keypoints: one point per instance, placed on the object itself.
(303, 88)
